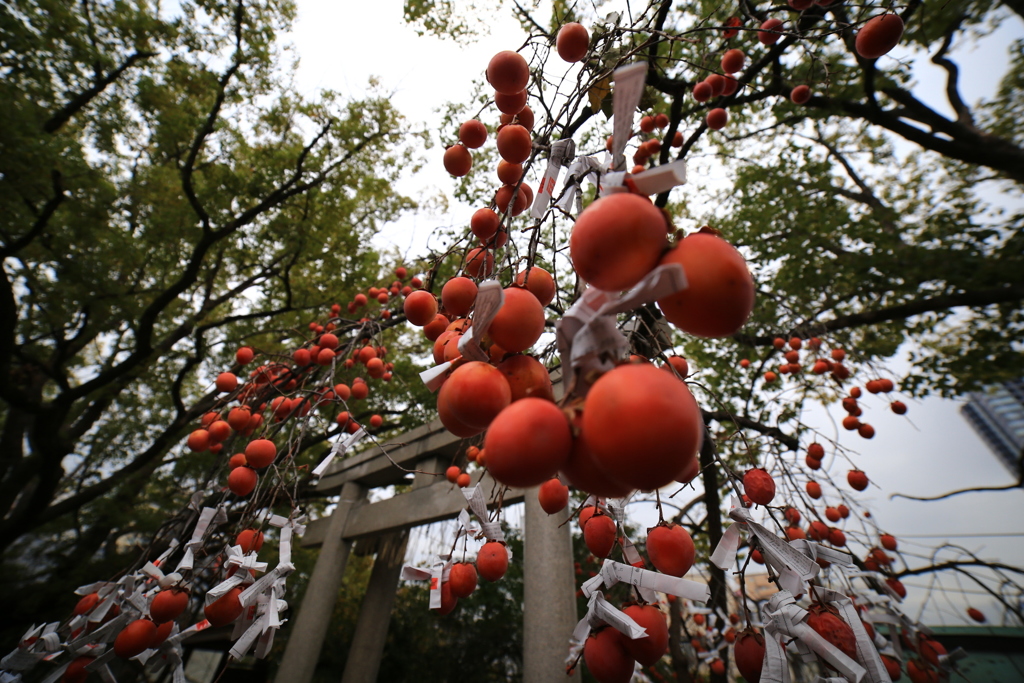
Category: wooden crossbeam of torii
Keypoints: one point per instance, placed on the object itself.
(549, 612)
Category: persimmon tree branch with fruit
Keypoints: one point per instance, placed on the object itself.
(846, 260)
(823, 253)
(188, 203)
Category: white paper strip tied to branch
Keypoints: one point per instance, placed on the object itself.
(572, 191)
(339, 447)
(816, 551)
(587, 336)
(658, 179)
(599, 612)
(478, 504)
(629, 88)
(629, 551)
(266, 619)
(207, 517)
(793, 567)
(646, 581)
(785, 618)
(436, 575)
(490, 297)
(562, 152)
(242, 564)
(867, 653)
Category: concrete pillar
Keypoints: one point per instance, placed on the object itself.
(308, 631)
(549, 609)
(367, 648)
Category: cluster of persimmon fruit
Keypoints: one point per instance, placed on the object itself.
(876, 37)
(279, 390)
(164, 605)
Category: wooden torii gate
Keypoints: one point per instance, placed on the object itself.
(549, 609)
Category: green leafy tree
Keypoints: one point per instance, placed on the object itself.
(167, 196)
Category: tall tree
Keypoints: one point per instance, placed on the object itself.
(167, 195)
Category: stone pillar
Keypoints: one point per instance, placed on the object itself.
(308, 631)
(549, 609)
(367, 648)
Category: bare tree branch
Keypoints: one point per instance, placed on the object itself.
(77, 103)
(979, 489)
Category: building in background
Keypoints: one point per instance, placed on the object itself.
(997, 415)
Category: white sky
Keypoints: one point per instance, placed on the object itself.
(342, 44)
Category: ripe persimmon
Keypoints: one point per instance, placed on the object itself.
(242, 481)
(508, 72)
(765, 34)
(553, 496)
(733, 60)
(527, 376)
(510, 104)
(617, 240)
(479, 262)
(476, 393)
(134, 638)
(448, 418)
(539, 283)
(225, 609)
(420, 307)
(642, 425)
(458, 295)
(702, 91)
(457, 160)
(879, 35)
(509, 174)
(800, 94)
(572, 42)
(717, 83)
(720, 292)
(506, 203)
(606, 656)
(717, 118)
(514, 144)
(226, 382)
(670, 549)
(527, 442)
(520, 321)
(759, 486)
(492, 561)
(462, 579)
(857, 479)
(260, 452)
(168, 605)
(652, 647)
(599, 535)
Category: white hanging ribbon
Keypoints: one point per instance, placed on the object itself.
(437, 574)
(785, 618)
(490, 297)
(659, 179)
(793, 567)
(343, 443)
(562, 151)
(478, 504)
(207, 517)
(587, 336)
(646, 581)
(629, 88)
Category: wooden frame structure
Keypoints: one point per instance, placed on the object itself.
(549, 610)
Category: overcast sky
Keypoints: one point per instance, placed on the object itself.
(930, 451)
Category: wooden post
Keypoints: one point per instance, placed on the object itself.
(310, 627)
(549, 601)
(367, 648)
